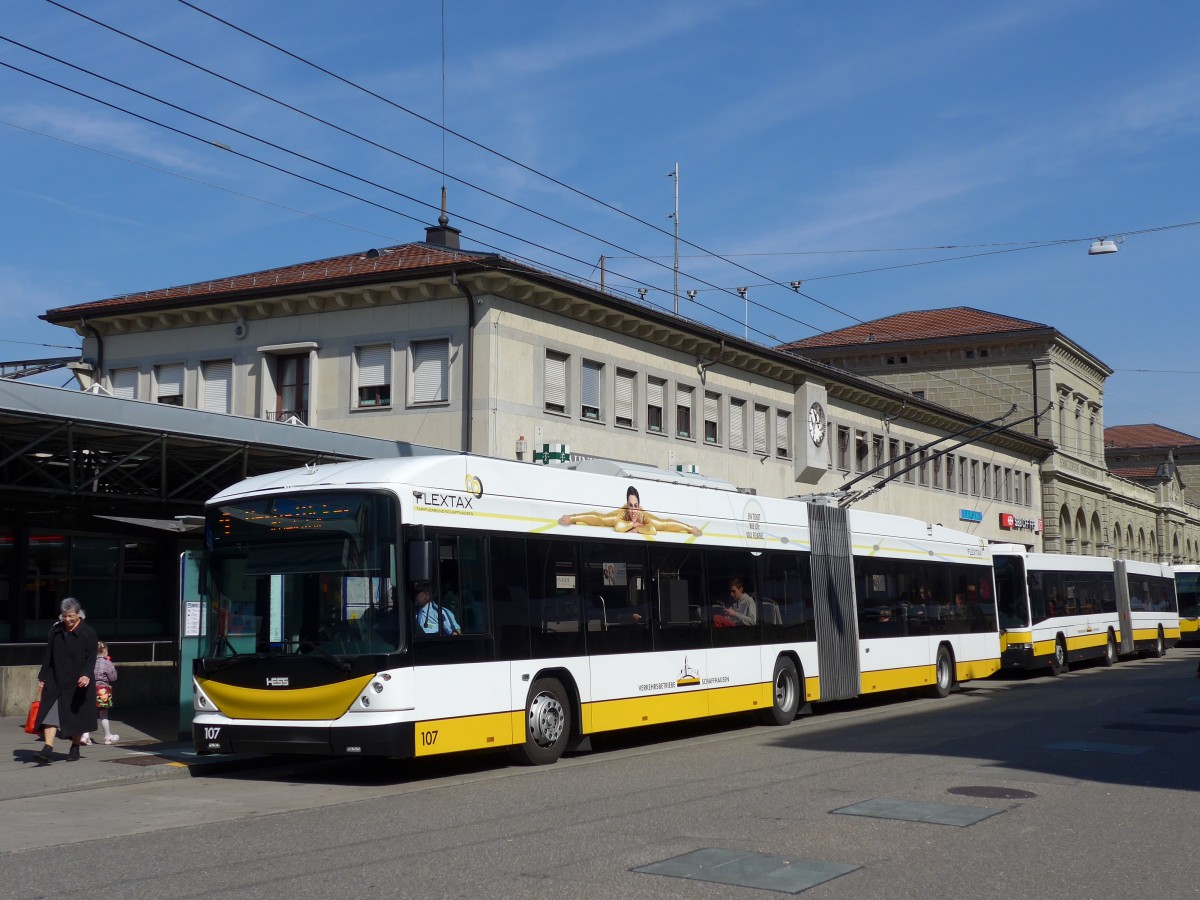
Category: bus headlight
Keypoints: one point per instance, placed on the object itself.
(365, 700)
(378, 687)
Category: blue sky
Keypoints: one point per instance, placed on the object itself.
(813, 141)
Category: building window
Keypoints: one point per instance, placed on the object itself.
(1008, 493)
(962, 475)
(625, 398)
(655, 389)
(591, 382)
(374, 374)
(737, 424)
(908, 460)
(893, 455)
(950, 472)
(168, 384)
(554, 380)
(860, 451)
(431, 371)
(974, 478)
(217, 391)
(997, 483)
(923, 468)
(1016, 487)
(783, 434)
(877, 459)
(124, 383)
(712, 418)
(918, 395)
(1028, 490)
(987, 480)
(968, 354)
(684, 397)
(761, 414)
(937, 472)
(843, 448)
(291, 388)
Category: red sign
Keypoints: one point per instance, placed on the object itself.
(1017, 523)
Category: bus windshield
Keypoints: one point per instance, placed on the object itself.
(1187, 587)
(305, 573)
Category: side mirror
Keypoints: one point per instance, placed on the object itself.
(420, 561)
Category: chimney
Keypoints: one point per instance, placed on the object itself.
(443, 235)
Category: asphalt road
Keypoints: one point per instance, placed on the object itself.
(1084, 786)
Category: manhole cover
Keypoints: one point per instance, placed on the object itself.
(995, 793)
(141, 761)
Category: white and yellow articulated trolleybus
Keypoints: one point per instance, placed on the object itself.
(408, 607)
(1058, 609)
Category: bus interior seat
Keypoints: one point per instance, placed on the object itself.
(769, 612)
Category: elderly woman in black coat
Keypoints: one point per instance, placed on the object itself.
(67, 681)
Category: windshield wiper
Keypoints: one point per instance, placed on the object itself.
(215, 665)
(328, 657)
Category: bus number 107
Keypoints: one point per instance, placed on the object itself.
(428, 738)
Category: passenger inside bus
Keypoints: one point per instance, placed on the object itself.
(741, 609)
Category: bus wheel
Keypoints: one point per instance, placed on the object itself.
(1058, 662)
(547, 724)
(943, 674)
(1160, 645)
(785, 694)
(1110, 650)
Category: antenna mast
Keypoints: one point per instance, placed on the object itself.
(675, 216)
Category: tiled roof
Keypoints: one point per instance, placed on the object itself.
(1130, 436)
(920, 325)
(391, 259)
(1133, 473)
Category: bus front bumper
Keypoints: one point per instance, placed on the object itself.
(395, 740)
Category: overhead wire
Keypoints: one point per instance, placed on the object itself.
(609, 206)
(377, 145)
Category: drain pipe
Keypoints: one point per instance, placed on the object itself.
(83, 323)
(468, 347)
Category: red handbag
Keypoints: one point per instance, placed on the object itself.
(31, 719)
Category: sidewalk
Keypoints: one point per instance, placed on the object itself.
(150, 748)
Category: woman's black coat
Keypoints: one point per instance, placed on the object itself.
(70, 654)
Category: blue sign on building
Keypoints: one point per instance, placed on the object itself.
(970, 515)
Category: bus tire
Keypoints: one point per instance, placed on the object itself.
(1160, 645)
(1059, 662)
(785, 694)
(1110, 651)
(547, 724)
(943, 674)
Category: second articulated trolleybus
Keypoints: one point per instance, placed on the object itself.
(1058, 609)
(437, 604)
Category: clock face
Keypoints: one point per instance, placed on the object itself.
(816, 423)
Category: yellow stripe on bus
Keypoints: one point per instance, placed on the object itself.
(467, 733)
(328, 701)
(1189, 626)
(922, 676)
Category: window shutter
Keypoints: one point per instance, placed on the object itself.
(589, 385)
(374, 366)
(170, 380)
(783, 442)
(624, 398)
(125, 383)
(431, 363)
(760, 429)
(218, 383)
(737, 424)
(556, 382)
(654, 393)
